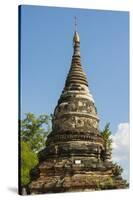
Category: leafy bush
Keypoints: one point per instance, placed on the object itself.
(28, 161)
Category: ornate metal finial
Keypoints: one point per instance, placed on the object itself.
(75, 20)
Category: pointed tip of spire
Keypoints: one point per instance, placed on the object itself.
(76, 37)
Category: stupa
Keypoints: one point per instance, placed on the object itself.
(75, 157)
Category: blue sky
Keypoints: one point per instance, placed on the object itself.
(46, 51)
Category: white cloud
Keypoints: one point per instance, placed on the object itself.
(121, 143)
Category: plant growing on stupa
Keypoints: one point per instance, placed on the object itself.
(106, 135)
(117, 169)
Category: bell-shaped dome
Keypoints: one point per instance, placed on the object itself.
(76, 108)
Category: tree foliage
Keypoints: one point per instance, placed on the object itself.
(35, 130)
(28, 161)
(106, 134)
(117, 169)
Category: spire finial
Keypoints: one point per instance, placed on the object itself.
(76, 35)
(75, 23)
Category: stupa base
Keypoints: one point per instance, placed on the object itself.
(76, 183)
(56, 178)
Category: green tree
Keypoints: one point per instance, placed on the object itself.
(34, 130)
(28, 161)
(106, 134)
